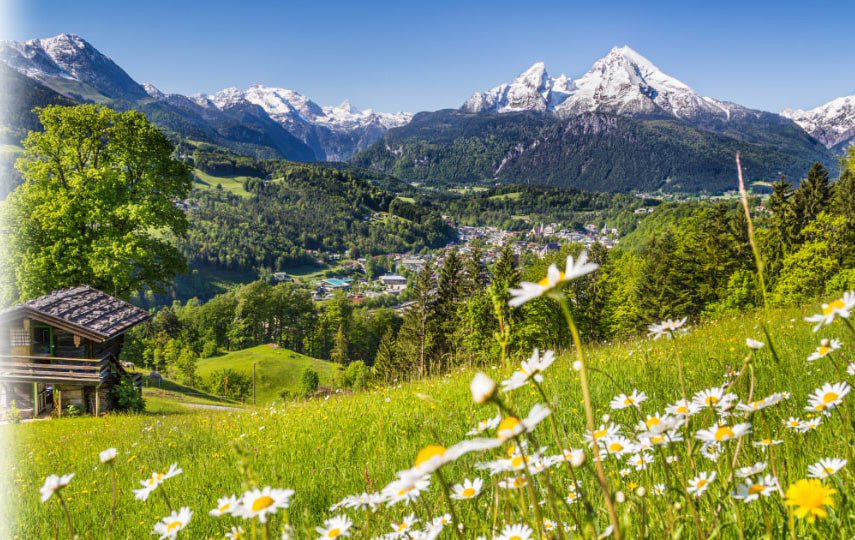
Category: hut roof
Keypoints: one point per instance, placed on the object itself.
(82, 310)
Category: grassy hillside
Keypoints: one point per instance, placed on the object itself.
(276, 369)
(325, 450)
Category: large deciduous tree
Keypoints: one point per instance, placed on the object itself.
(97, 205)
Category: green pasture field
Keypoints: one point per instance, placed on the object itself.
(327, 449)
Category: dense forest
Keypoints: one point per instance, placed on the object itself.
(698, 264)
(516, 207)
(297, 207)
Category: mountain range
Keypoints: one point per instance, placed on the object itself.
(260, 121)
(622, 125)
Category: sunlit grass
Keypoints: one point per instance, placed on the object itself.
(325, 450)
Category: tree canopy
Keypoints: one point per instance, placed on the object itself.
(99, 193)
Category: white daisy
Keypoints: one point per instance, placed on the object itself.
(53, 484)
(259, 503)
(711, 451)
(469, 489)
(405, 525)
(658, 489)
(840, 307)
(665, 328)
(236, 533)
(601, 432)
(483, 388)
(512, 426)
(640, 461)
(810, 425)
(700, 483)
(825, 467)
(553, 280)
(751, 470)
(623, 401)
(765, 443)
(440, 521)
(617, 445)
(828, 397)
(334, 527)
(169, 526)
(751, 490)
(484, 425)
(515, 532)
(722, 432)
(108, 455)
(825, 347)
(404, 489)
(225, 505)
(513, 483)
(754, 344)
(683, 408)
(754, 406)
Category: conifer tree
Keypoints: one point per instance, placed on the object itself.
(386, 366)
(417, 334)
(813, 195)
(339, 353)
(476, 273)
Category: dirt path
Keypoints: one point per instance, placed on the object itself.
(211, 407)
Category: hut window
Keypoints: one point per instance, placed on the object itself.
(19, 337)
(42, 341)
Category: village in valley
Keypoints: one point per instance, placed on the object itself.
(540, 241)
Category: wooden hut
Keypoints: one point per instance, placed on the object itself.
(63, 349)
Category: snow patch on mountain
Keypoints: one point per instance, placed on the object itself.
(832, 124)
(286, 106)
(623, 82)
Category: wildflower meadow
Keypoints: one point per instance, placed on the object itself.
(739, 428)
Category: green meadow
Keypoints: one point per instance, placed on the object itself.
(276, 369)
(327, 449)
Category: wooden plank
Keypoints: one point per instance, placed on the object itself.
(4, 371)
(51, 379)
(62, 367)
(52, 358)
(66, 374)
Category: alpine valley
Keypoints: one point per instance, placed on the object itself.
(624, 125)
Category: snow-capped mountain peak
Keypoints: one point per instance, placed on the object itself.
(531, 90)
(623, 82)
(56, 60)
(832, 124)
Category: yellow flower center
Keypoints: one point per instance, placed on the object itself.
(514, 538)
(334, 533)
(508, 425)
(172, 526)
(615, 448)
(756, 489)
(829, 469)
(599, 433)
(837, 304)
(682, 409)
(468, 492)
(545, 281)
(829, 397)
(723, 433)
(701, 483)
(657, 440)
(224, 507)
(652, 422)
(402, 527)
(429, 452)
(261, 503)
(766, 442)
(517, 461)
(794, 423)
(628, 401)
(711, 400)
(822, 351)
(519, 482)
(404, 491)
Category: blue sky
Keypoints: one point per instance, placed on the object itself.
(412, 56)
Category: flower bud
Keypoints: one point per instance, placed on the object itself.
(606, 417)
(677, 506)
(483, 388)
(577, 458)
(641, 492)
(620, 497)
(577, 366)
